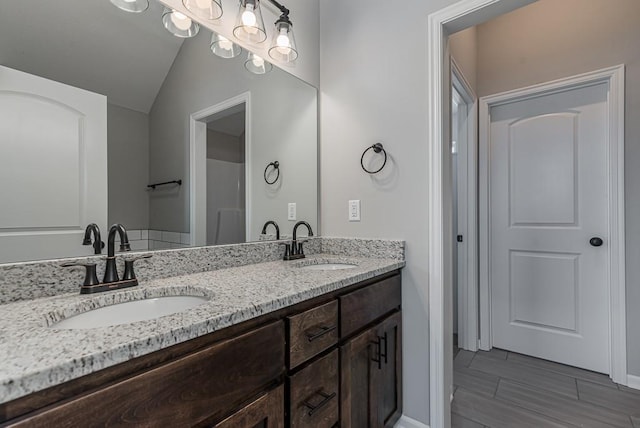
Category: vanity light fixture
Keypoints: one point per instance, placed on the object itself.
(283, 46)
(257, 65)
(134, 6)
(179, 24)
(223, 47)
(205, 9)
(249, 23)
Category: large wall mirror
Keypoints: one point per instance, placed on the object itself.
(97, 104)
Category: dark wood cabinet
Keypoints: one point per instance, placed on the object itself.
(332, 361)
(357, 387)
(389, 374)
(265, 412)
(314, 394)
(371, 382)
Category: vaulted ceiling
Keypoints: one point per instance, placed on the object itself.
(90, 44)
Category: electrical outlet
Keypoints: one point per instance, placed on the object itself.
(291, 212)
(354, 210)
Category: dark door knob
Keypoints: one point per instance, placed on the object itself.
(596, 242)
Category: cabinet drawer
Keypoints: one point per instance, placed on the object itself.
(265, 412)
(311, 332)
(207, 384)
(359, 308)
(314, 394)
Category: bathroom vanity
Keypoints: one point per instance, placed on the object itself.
(290, 346)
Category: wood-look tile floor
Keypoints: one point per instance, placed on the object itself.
(500, 389)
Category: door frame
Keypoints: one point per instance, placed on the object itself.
(468, 295)
(440, 24)
(198, 166)
(614, 78)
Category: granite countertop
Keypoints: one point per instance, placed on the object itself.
(36, 356)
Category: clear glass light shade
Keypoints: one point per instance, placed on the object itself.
(205, 9)
(223, 47)
(134, 6)
(283, 46)
(179, 24)
(249, 23)
(257, 65)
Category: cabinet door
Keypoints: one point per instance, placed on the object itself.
(389, 377)
(265, 412)
(357, 388)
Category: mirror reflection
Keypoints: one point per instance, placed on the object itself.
(106, 117)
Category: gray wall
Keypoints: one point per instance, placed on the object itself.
(128, 166)
(373, 82)
(284, 128)
(549, 40)
(225, 147)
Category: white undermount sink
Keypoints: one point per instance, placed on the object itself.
(128, 312)
(328, 266)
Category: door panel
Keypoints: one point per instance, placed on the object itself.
(544, 290)
(543, 196)
(548, 197)
(50, 130)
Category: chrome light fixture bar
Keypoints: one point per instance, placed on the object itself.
(134, 6)
(179, 24)
(205, 9)
(223, 47)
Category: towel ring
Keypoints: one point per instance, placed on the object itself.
(377, 148)
(276, 166)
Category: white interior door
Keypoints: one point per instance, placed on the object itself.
(548, 160)
(53, 169)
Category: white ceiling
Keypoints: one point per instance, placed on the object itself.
(90, 44)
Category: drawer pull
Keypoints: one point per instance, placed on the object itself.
(379, 353)
(311, 336)
(325, 400)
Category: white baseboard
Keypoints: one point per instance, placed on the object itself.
(407, 422)
(632, 382)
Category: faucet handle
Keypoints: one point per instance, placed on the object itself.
(287, 249)
(300, 250)
(128, 267)
(90, 277)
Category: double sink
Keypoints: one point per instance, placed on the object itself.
(156, 307)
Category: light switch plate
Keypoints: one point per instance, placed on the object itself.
(354, 210)
(291, 211)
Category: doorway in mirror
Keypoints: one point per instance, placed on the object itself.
(226, 212)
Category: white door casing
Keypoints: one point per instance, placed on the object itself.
(467, 213)
(551, 178)
(53, 168)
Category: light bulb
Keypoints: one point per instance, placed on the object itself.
(258, 61)
(203, 4)
(283, 44)
(248, 17)
(180, 20)
(225, 43)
